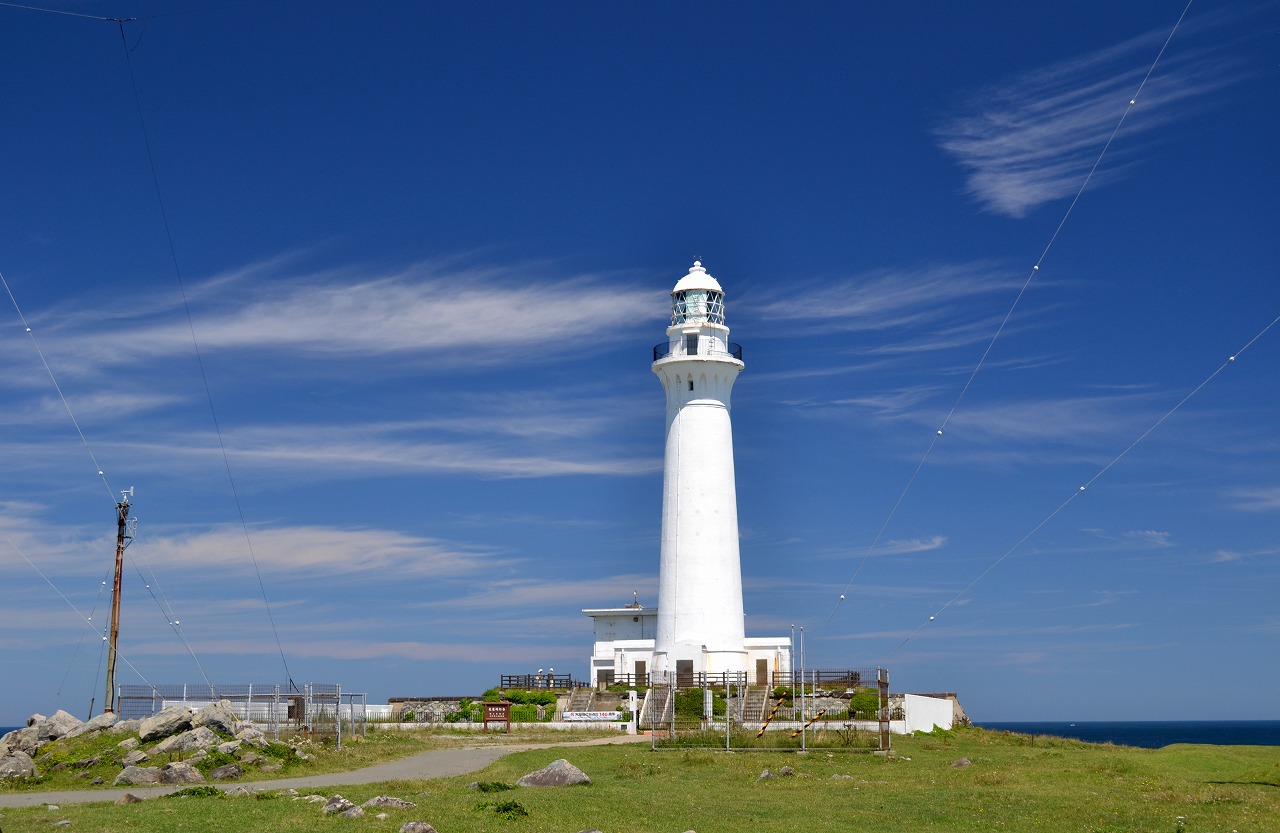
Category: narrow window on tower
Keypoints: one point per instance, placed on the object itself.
(690, 383)
(691, 344)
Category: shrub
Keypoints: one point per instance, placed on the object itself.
(198, 792)
(689, 703)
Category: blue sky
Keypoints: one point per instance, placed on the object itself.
(426, 250)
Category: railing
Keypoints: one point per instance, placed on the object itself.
(531, 681)
(661, 351)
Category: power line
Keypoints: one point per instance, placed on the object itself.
(1081, 490)
(1035, 270)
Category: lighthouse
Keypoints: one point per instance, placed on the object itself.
(696, 634)
(699, 627)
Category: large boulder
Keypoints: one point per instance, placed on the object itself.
(164, 723)
(559, 773)
(230, 772)
(57, 726)
(97, 723)
(17, 764)
(21, 740)
(197, 738)
(133, 776)
(180, 772)
(416, 827)
(253, 736)
(135, 757)
(127, 727)
(217, 717)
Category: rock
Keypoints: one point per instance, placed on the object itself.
(592, 830)
(85, 763)
(126, 727)
(559, 773)
(96, 781)
(786, 772)
(52, 807)
(251, 758)
(416, 827)
(164, 723)
(180, 772)
(842, 778)
(963, 762)
(288, 792)
(229, 748)
(35, 718)
(17, 764)
(57, 726)
(474, 785)
(198, 738)
(62, 823)
(314, 799)
(21, 740)
(766, 775)
(237, 792)
(336, 804)
(134, 776)
(97, 723)
(353, 813)
(381, 801)
(128, 743)
(128, 798)
(271, 768)
(226, 773)
(252, 736)
(217, 717)
(135, 757)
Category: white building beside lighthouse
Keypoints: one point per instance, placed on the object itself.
(697, 630)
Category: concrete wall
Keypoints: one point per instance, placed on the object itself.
(923, 714)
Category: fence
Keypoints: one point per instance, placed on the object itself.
(832, 710)
(317, 708)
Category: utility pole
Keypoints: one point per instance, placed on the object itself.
(123, 537)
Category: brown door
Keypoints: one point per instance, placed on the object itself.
(642, 673)
(684, 673)
(762, 672)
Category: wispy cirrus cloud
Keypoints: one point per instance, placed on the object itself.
(884, 299)
(1257, 500)
(1035, 137)
(437, 309)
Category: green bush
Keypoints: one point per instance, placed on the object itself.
(865, 704)
(198, 792)
(689, 703)
(531, 698)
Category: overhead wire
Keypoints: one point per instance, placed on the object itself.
(195, 344)
(1081, 490)
(1035, 270)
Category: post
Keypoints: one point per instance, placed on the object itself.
(122, 521)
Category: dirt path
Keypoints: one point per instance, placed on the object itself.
(438, 763)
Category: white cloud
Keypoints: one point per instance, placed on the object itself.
(1034, 138)
(460, 314)
(1257, 500)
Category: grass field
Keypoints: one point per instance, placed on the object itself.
(1013, 783)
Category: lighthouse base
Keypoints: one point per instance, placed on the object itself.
(623, 654)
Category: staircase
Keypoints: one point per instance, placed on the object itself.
(755, 705)
(580, 700)
(658, 707)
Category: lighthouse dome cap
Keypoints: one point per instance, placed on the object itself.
(697, 279)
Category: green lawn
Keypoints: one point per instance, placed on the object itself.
(1014, 783)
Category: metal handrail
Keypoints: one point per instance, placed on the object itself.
(663, 350)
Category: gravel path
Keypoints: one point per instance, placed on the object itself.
(438, 763)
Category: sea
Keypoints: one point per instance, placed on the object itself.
(1153, 734)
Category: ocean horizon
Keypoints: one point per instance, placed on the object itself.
(1151, 734)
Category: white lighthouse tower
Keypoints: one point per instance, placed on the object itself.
(700, 627)
(696, 633)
